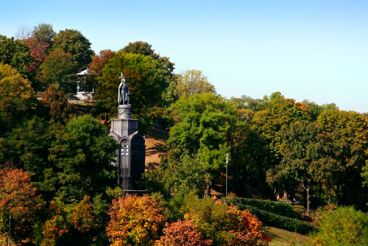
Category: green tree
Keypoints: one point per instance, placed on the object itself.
(202, 129)
(271, 122)
(342, 139)
(298, 150)
(15, 54)
(58, 68)
(44, 32)
(147, 80)
(74, 43)
(80, 159)
(189, 83)
(344, 226)
(144, 48)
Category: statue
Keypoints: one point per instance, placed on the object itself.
(123, 95)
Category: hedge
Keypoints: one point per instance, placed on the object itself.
(279, 208)
(279, 221)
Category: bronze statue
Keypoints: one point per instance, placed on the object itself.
(123, 95)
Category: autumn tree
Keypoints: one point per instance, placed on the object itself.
(17, 97)
(19, 205)
(57, 103)
(135, 221)
(99, 61)
(75, 223)
(39, 43)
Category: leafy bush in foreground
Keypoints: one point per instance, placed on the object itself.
(343, 226)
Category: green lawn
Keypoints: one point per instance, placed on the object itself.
(281, 237)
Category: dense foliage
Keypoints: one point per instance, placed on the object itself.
(343, 226)
(57, 186)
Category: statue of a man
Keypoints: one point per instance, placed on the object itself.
(123, 95)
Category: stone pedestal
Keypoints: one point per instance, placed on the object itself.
(130, 156)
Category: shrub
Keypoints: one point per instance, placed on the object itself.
(343, 226)
(225, 225)
(182, 233)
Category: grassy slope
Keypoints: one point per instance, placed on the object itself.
(281, 237)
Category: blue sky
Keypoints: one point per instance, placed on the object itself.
(312, 49)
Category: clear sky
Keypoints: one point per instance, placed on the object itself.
(306, 49)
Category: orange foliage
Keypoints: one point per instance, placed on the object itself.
(245, 227)
(182, 233)
(134, 220)
(82, 216)
(19, 203)
(68, 218)
(99, 61)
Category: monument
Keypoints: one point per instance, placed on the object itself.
(130, 156)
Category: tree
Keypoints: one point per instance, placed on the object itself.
(99, 61)
(298, 151)
(204, 123)
(19, 204)
(343, 226)
(191, 82)
(73, 223)
(271, 122)
(74, 43)
(80, 158)
(135, 221)
(55, 99)
(15, 54)
(39, 44)
(17, 97)
(58, 68)
(342, 139)
(26, 146)
(44, 32)
(144, 48)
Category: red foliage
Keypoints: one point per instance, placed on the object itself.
(99, 61)
(182, 233)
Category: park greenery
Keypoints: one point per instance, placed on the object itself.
(57, 186)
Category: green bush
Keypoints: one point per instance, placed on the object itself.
(279, 221)
(343, 226)
(279, 208)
